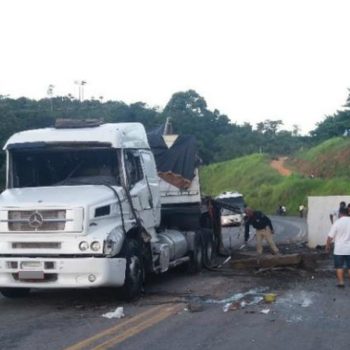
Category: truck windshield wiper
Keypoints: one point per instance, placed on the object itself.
(77, 167)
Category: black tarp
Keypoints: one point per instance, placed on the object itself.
(179, 160)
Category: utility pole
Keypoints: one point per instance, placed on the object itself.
(80, 84)
(83, 82)
(50, 94)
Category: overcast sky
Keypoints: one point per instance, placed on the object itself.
(251, 59)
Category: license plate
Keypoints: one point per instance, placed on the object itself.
(31, 265)
(31, 275)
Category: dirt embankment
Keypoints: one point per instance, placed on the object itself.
(279, 166)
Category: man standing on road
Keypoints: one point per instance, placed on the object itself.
(263, 227)
(340, 235)
(333, 216)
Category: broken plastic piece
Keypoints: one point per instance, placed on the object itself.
(117, 313)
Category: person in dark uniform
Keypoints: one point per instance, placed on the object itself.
(263, 227)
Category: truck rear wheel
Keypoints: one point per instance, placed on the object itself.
(15, 292)
(196, 256)
(134, 272)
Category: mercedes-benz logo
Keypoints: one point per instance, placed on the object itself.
(35, 220)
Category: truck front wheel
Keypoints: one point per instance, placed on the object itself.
(14, 292)
(134, 271)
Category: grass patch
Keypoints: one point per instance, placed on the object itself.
(263, 187)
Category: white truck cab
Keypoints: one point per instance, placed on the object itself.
(82, 209)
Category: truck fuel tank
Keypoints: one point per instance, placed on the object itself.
(176, 241)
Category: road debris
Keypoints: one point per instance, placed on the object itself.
(267, 261)
(117, 313)
(254, 294)
(306, 303)
(302, 298)
(225, 261)
(265, 311)
(273, 269)
(231, 307)
(270, 297)
(194, 307)
(240, 300)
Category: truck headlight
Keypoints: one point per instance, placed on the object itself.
(95, 246)
(113, 243)
(83, 246)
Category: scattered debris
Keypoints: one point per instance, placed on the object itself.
(302, 298)
(270, 297)
(241, 300)
(254, 294)
(231, 307)
(306, 303)
(267, 261)
(194, 307)
(293, 259)
(295, 319)
(117, 313)
(225, 261)
(265, 311)
(272, 269)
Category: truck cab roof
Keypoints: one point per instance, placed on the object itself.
(115, 135)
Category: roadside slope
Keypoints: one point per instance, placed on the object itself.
(263, 186)
(327, 160)
(279, 165)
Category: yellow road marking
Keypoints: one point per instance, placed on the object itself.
(162, 315)
(108, 331)
(128, 327)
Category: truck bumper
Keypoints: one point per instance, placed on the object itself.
(82, 272)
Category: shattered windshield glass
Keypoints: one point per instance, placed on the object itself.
(64, 167)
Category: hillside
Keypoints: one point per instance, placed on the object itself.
(327, 160)
(265, 188)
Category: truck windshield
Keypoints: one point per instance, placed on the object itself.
(237, 202)
(63, 167)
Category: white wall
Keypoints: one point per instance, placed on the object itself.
(318, 222)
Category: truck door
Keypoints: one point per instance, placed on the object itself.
(139, 188)
(152, 179)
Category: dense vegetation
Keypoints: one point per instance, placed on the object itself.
(334, 125)
(321, 170)
(218, 139)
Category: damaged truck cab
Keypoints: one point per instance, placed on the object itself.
(84, 207)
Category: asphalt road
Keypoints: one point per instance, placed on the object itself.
(309, 313)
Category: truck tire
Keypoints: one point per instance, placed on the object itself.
(134, 271)
(196, 256)
(208, 247)
(15, 292)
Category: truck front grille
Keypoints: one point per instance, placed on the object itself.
(36, 245)
(36, 220)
